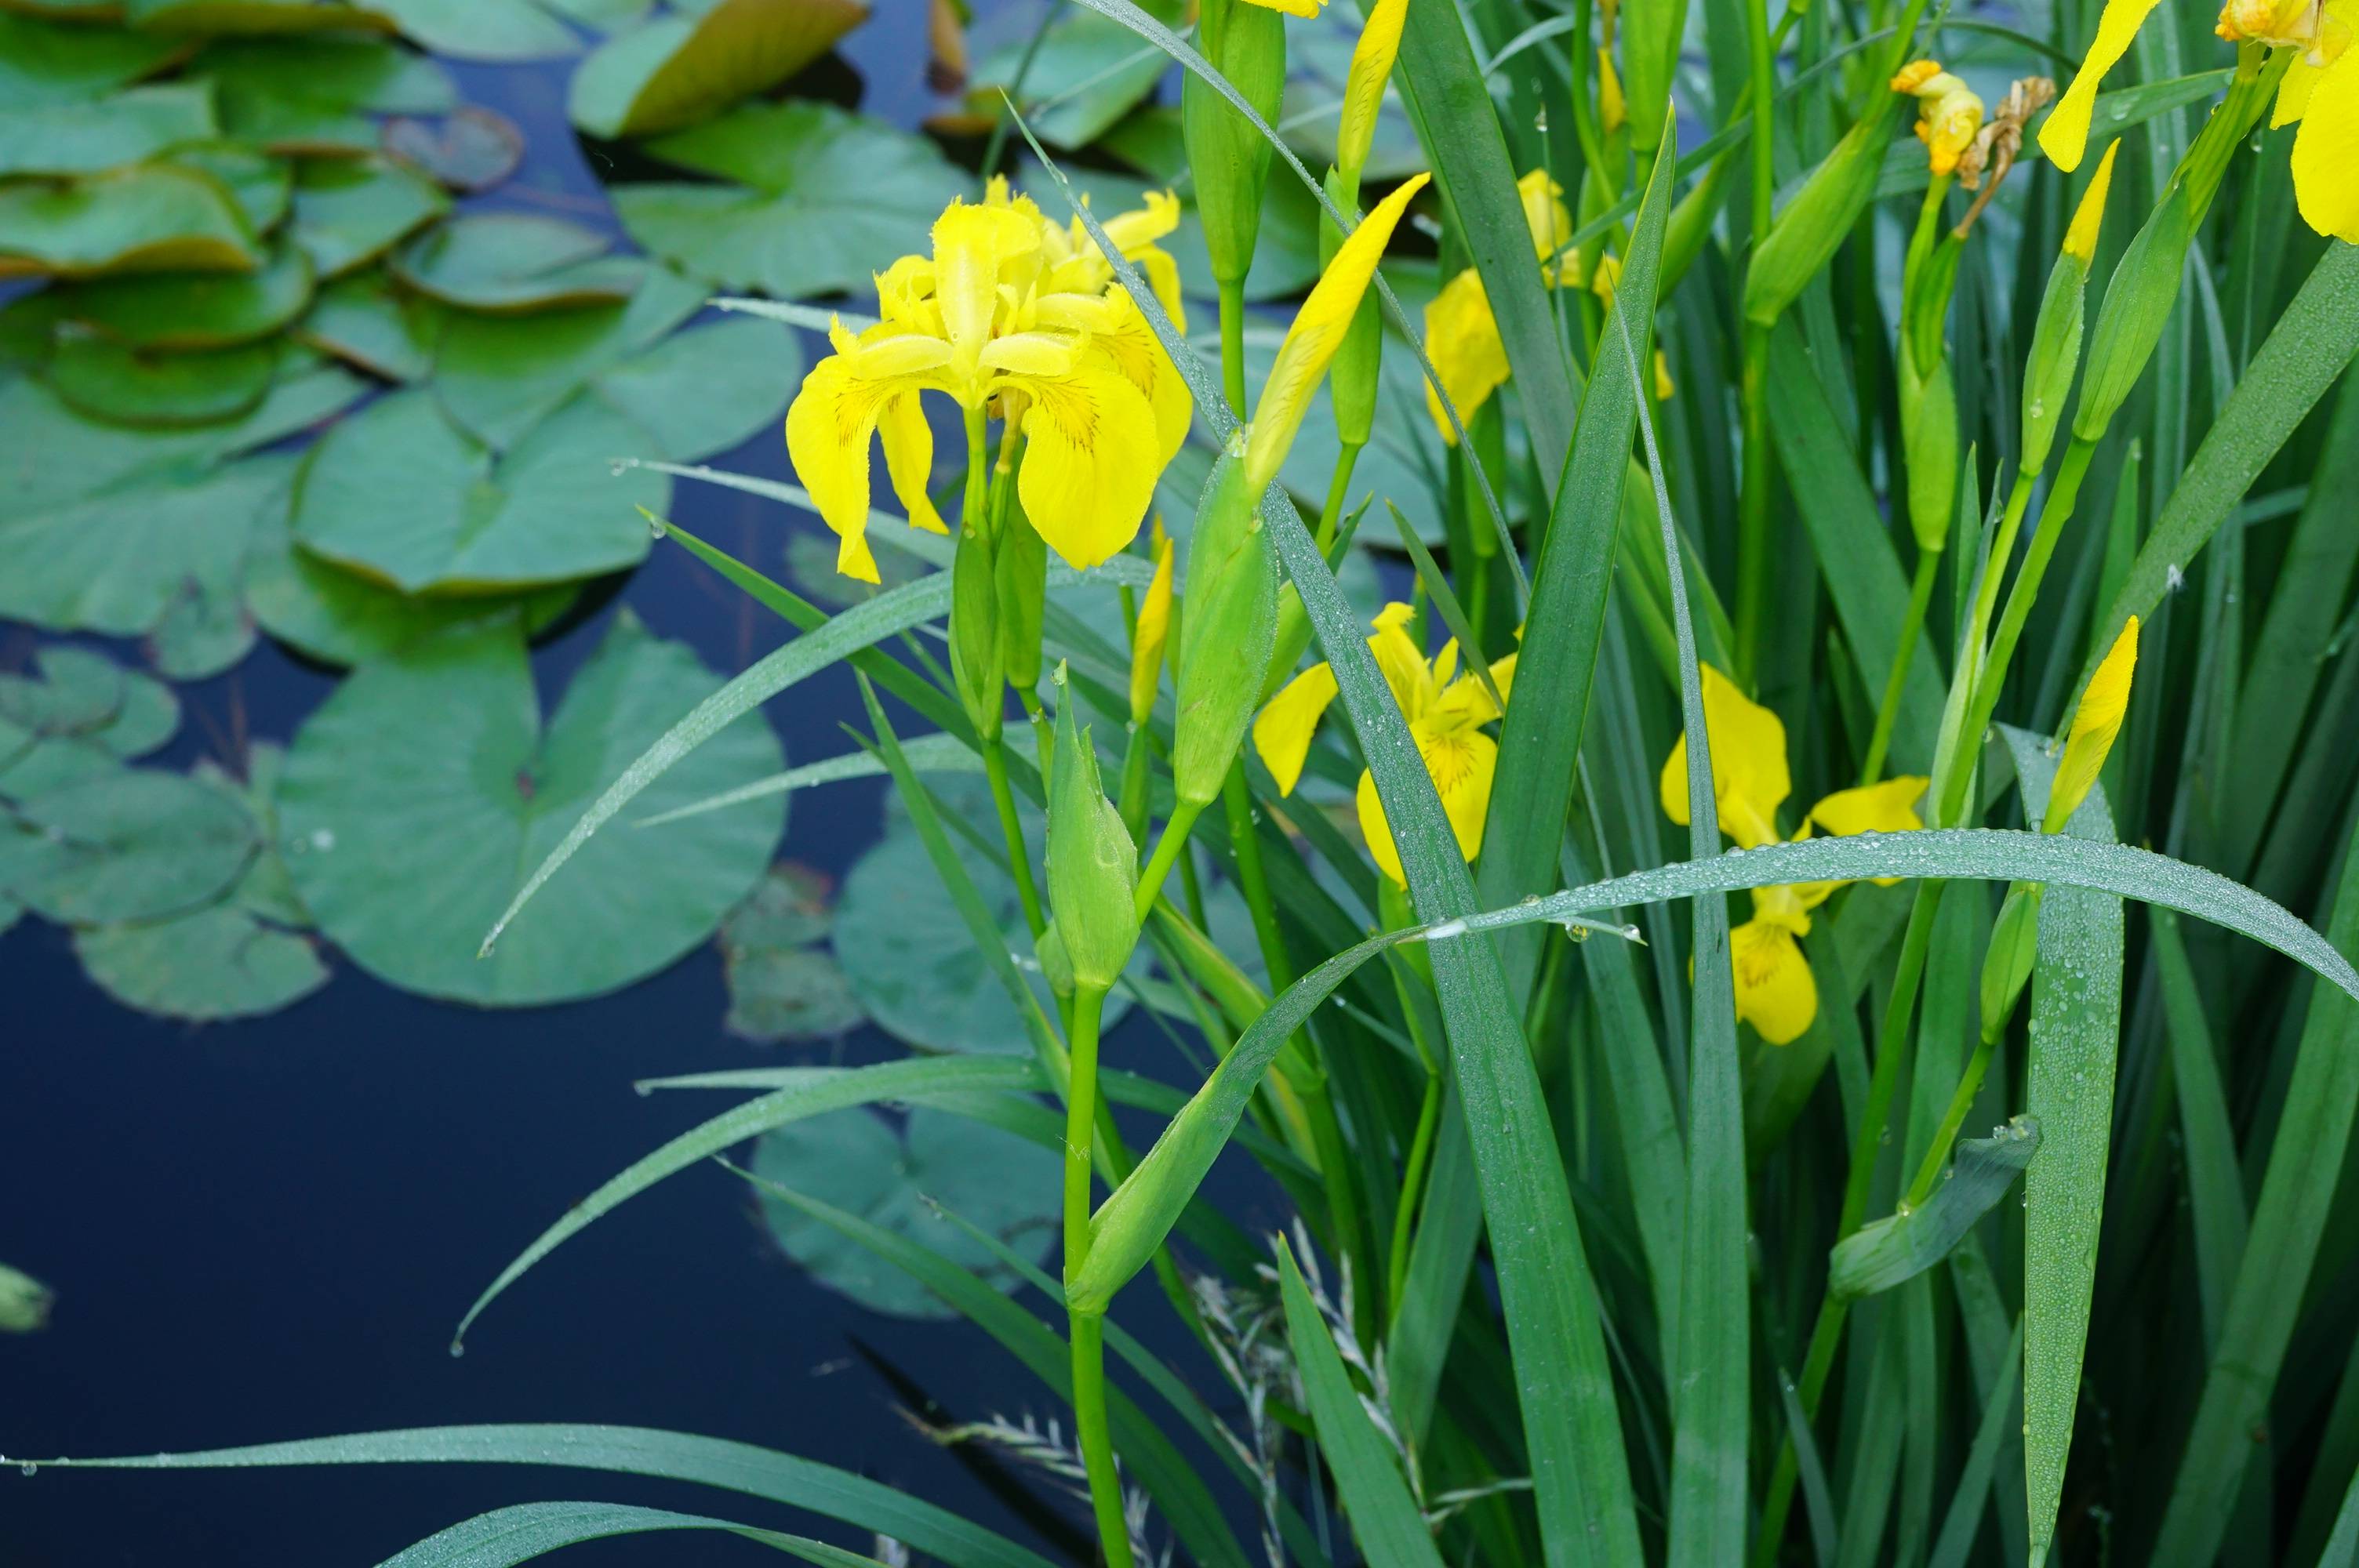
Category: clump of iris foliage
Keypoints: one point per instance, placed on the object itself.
(1941, 540)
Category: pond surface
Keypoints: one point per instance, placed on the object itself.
(268, 1230)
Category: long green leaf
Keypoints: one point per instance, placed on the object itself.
(927, 753)
(629, 1451)
(1966, 1507)
(1880, 1255)
(1384, 1516)
(511, 1535)
(826, 1089)
(2214, 1179)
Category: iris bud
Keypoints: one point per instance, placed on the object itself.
(1230, 159)
(976, 666)
(24, 1302)
(1805, 235)
(1092, 864)
(2014, 948)
(1226, 636)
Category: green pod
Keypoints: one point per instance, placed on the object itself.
(1289, 643)
(1814, 224)
(2138, 298)
(1651, 33)
(1351, 376)
(1092, 864)
(1020, 583)
(975, 665)
(1226, 636)
(1928, 429)
(2054, 359)
(24, 1301)
(1228, 158)
(2013, 947)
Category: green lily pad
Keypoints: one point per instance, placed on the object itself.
(265, 892)
(706, 390)
(338, 616)
(50, 62)
(86, 138)
(350, 211)
(363, 320)
(605, 16)
(1319, 55)
(132, 845)
(516, 262)
(999, 1183)
(1088, 73)
(108, 379)
(819, 198)
(482, 29)
(215, 964)
(316, 94)
(782, 985)
(677, 70)
(400, 493)
(414, 795)
(261, 185)
(153, 217)
(196, 310)
(78, 10)
(83, 695)
(471, 148)
(267, 19)
(499, 375)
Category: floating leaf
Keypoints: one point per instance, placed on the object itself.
(363, 320)
(854, 1160)
(782, 986)
(471, 149)
(262, 185)
(400, 493)
(265, 892)
(818, 196)
(215, 964)
(909, 956)
(80, 720)
(442, 748)
(315, 95)
(497, 377)
(482, 29)
(269, 19)
(679, 69)
(150, 217)
(50, 62)
(1087, 72)
(196, 310)
(348, 212)
(108, 379)
(132, 845)
(86, 138)
(339, 618)
(516, 262)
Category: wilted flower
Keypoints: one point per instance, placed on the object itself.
(1948, 112)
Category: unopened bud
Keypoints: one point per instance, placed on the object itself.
(1928, 428)
(1230, 159)
(1359, 360)
(1092, 864)
(1021, 585)
(976, 658)
(2014, 950)
(24, 1302)
(1805, 235)
(1226, 634)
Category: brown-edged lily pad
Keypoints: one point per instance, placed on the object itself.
(676, 69)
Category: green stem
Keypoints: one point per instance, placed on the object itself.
(1938, 1152)
(1753, 553)
(1168, 849)
(1762, 80)
(1232, 343)
(1090, 1424)
(1339, 484)
(1412, 1191)
(1011, 827)
(1920, 592)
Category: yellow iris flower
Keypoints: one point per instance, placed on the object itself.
(1148, 638)
(1007, 316)
(1446, 711)
(2320, 90)
(2095, 724)
(1775, 990)
(1461, 336)
(1948, 112)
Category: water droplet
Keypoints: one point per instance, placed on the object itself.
(323, 839)
(643, 1090)
(28, 1468)
(457, 1349)
(1539, 122)
(656, 527)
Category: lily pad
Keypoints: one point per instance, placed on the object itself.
(43, 61)
(783, 986)
(855, 1160)
(1285, 257)
(153, 217)
(482, 29)
(819, 198)
(196, 310)
(215, 964)
(316, 94)
(471, 149)
(265, 892)
(1087, 73)
(677, 70)
(348, 212)
(365, 321)
(132, 845)
(267, 18)
(414, 795)
(86, 138)
(400, 494)
(261, 185)
(108, 379)
(516, 262)
(499, 375)
(83, 695)
(338, 616)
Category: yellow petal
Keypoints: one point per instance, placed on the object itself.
(1462, 340)
(1748, 764)
(1775, 990)
(1612, 112)
(1318, 332)
(1664, 387)
(1031, 354)
(910, 458)
(1363, 84)
(1503, 674)
(2096, 723)
(2326, 152)
(1090, 460)
(1913, 76)
(971, 243)
(1142, 226)
(1162, 276)
(1545, 213)
(1401, 660)
(2065, 136)
(1461, 764)
(1123, 334)
(1281, 734)
(1291, 7)
(2294, 89)
(828, 427)
(1886, 808)
(1154, 628)
(2081, 239)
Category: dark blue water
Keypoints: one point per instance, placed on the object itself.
(268, 1230)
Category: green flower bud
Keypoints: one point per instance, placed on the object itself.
(1092, 864)
(24, 1301)
(1056, 964)
(1246, 44)
(2138, 298)
(1805, 237)
(1929, 427)
(2054, 359)
(975, 663)
(1351, 376)
(2014, 948)
(1226, 634)
(1021, 578)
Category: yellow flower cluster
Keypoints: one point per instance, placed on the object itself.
(1948, 112)
(1014, 317)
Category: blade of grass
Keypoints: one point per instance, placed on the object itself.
(511, 1535)
(2215, 1178)
(927, 754)
(1959, 1525)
